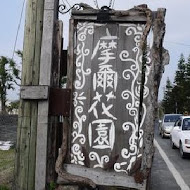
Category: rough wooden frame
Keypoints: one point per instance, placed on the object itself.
(102, 178)
(143, 166)
(159, 58)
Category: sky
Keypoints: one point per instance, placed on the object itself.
(177, 37)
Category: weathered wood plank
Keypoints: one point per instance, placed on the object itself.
(68, 187)
(59, 47)
(104, 35)
(112, 18)
(61, 102)
(119, 13)
(50, 16)
(112, 84)
(132, 15)
(57, 105)
(26, 131)
(103, 178)
(70, 62)
(82, 79)
(34, 92)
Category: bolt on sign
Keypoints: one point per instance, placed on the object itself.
(111, 92)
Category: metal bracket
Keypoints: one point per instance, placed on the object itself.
(63, 9)
(59, 102)
(103, 15)
(59, 99)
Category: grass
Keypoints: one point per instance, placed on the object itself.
(6, 168)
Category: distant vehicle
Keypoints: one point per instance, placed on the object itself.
(180, 135)
(167, 124)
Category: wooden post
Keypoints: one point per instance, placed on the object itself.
(26, 132)
(44, 125)
(34, 122)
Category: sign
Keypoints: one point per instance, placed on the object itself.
(106, 132)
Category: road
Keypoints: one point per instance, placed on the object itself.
(169, 170)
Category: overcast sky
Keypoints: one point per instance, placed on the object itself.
(177, 38)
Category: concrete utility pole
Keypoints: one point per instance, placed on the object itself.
(33, 124)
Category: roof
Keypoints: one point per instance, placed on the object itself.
(186, 116)
(173, 114)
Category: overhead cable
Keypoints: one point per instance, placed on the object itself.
(96, 4)
(18, 28)
(178, 43)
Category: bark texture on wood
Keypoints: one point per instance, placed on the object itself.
(159, 58)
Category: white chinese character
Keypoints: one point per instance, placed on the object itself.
(104, 136)
(105, 79)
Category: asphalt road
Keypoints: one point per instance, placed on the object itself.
(169, 170)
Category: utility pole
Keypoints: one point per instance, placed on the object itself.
(27, 122)
(34, 122)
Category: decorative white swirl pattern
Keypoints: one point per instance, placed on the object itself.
(78, 138)
(132, 75)
(133, 94)
(77, 156)
(77, 125)
(83, 29)
(100, 160)
(78, 98)
(80, 72)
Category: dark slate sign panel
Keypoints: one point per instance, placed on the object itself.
(106, 93)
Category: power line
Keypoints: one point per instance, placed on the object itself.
(113, 4)
(68, 3)
(96, 4)
(178, 43)
(110, 3)
(18, 28)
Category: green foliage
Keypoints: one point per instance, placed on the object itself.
(63, 81)
(177, 96)
(167, 100)
(3, 187)
(52, 185)
(13, 106)
(9, 76)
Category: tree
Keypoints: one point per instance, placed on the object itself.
(181, 84)
(9, 76)
(167, 100)
(177, 96)
(12, 108)
(181, 72)
(187, 86)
